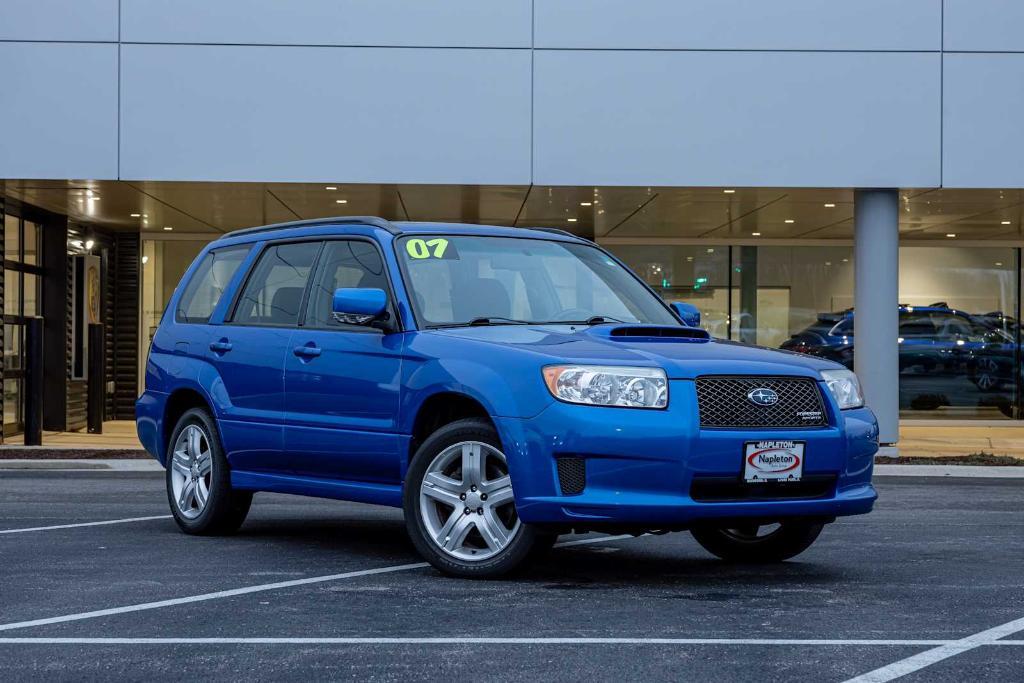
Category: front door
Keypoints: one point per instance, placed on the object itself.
(342, 381)
(249, 352)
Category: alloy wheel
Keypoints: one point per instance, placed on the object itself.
(466, 501)
(191, 471)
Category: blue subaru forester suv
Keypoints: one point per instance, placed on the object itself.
(503, 386)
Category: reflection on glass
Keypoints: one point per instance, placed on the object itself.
(12, 405)
(12, 292)
(31, 295)
(32, 239)
(12, 347)
(11, 238)
(695, 274)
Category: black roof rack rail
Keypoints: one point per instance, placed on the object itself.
(558, 231)
(338, 220)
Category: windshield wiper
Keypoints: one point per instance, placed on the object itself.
(482, 322)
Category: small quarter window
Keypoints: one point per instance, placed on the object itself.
(208, 284)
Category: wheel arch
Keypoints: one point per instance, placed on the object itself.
(178, 403)
(440, 409)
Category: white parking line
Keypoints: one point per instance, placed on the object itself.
(252, 589)
(468, 640)
(951, 649)
(81, 524)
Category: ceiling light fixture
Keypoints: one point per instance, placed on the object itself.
(136, 215)
(729, 191)
(755, 234)
(168, 228)
(330, 187)
(571, 220)
(586, 203)
(145, 260)
(950, 234)
(830, 206)
(790, 221)
(341, 201)
(1007, 222)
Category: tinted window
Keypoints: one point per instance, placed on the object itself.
(208, 284)
(343, 264)
(273, 293)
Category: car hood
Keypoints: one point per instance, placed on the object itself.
(681, 358)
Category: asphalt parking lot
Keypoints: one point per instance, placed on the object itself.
(930, 586)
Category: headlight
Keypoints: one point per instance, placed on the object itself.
(601, 385)
(844, 387)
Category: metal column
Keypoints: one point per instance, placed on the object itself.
(876, 299)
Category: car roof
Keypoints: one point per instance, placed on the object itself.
(398, 228)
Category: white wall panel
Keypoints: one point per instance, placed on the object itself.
(984, 25)
(441, 23)
(58, 117)
(332, 114)
(740, 24)
(58, 20)
(983, 139)
(772, 119)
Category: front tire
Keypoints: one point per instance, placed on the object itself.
(459, 507)
(199, 479)
(757, 544)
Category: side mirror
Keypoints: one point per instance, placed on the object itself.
(688, 313)
(358, 305)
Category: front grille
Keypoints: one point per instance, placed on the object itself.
(726, 489)
(572, 475)
(725, 402)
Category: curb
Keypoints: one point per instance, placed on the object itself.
(951, 471)
(96, 465)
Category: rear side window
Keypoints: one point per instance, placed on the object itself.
(273, 293)
(208, 284)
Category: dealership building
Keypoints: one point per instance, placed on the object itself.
(775, 163)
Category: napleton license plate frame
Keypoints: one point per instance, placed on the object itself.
(772, 461)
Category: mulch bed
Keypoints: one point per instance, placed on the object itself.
(972, 459)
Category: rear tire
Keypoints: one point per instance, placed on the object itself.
(199, 479)
(746, 545)
(465, 469)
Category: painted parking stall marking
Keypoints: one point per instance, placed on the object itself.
(77, 525)
(216, 595)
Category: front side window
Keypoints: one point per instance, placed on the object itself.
(208, 284)
(273, 293)
(349, 263)
(456, 280)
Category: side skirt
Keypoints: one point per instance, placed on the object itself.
(359, 492)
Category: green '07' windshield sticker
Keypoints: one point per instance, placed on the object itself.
(422, 249)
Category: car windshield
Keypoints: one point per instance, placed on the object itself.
(480, 280)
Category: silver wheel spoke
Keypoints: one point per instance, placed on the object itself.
(442, 488)
(194, 442)
(492, 529)
(460, 527)
(497, 486)
(185, 498)
(202, 493)
(180, 467)
(205, 462)
(471, 464)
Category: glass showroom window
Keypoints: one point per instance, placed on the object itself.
(696, 274)
(164, 262)
(22, 297)
(785, 293)
(959, 333)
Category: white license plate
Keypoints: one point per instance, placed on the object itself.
(773, 461)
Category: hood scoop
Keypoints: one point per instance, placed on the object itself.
(651, 333)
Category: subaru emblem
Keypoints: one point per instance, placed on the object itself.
(763, 397)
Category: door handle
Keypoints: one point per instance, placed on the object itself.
(220, 346)
(307, 351)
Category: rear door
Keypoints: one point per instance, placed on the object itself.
(342, 381)
(249, 352)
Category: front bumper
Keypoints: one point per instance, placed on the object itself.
(641, 465)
